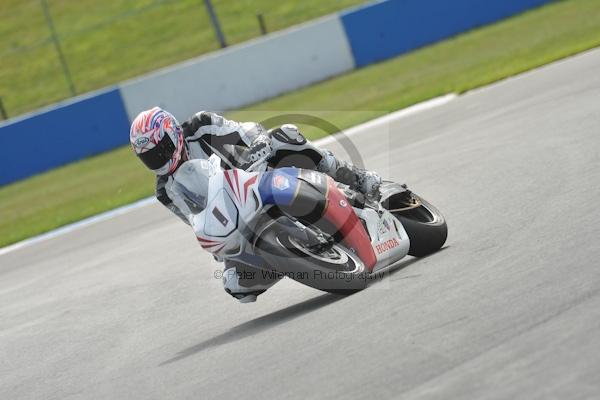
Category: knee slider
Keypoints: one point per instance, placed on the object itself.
(288, 134)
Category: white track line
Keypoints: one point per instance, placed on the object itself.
(386, 119)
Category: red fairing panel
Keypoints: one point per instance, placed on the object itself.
(342, 216)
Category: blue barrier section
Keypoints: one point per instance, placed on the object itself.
(61, 135)
(388, 28)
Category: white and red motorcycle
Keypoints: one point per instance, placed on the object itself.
(302, 224)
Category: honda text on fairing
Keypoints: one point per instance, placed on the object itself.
(302, 224)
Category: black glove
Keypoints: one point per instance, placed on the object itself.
(259, 149)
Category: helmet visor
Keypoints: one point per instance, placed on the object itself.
(159, 155)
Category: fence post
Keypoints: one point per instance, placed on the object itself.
(261, 23)
(215, 22)
(59, 51)
(3, 110)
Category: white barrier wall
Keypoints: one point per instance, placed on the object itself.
(245, 73)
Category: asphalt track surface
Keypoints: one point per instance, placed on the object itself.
(128, 308)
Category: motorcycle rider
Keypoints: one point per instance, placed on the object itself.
(163, 144)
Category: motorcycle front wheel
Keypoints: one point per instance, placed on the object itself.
(335, 269)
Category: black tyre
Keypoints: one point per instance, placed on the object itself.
(335, 270)
(425, 225)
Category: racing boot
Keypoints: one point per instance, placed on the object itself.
(366, 182)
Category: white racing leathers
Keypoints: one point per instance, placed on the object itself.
(207, 133)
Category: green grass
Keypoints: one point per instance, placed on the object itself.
(142, 35)
(476, 58)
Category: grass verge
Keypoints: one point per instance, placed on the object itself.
(465, 62)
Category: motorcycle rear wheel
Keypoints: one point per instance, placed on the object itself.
(425, 225)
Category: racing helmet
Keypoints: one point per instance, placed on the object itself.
(157, 139)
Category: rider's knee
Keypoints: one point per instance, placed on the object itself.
(287, 134)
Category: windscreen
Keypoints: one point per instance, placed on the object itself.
(191, 183)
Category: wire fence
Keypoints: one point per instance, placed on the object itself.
(54, 49)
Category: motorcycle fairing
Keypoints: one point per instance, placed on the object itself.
(388, 238)
(343, 217)
(221, 216)
(235, 197)
(279, 187)
(233, 201)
